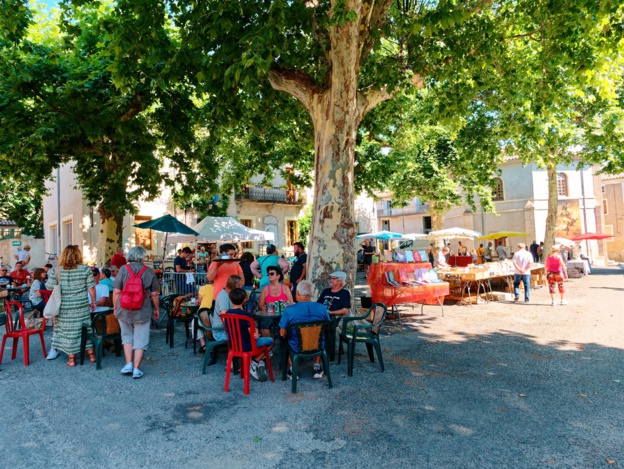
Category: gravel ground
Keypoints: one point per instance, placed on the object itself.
(494, 385)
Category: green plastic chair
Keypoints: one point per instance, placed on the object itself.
(309, 345)
(366, 331)
(104, 327)
(330, 337)
(210, 344)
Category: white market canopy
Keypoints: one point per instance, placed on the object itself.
(453, 233)
(221, 230)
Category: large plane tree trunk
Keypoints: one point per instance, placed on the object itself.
(336, 110)
(553, 201)
(110, 238)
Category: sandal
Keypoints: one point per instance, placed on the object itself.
(91, 355)
(202, 349)
(72, 360)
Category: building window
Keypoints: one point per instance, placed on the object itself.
(67, 233)
(53, 241)
(385, 225)
(499, 193)
(247, 223)
(292, 236)
(605, 207)
(562, 184)
(426, 225)
(609, 230)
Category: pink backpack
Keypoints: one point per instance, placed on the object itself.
(133, 293)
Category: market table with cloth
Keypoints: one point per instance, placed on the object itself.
(383, 292)
(460, 261)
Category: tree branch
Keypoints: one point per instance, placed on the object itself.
(296, 83)
(370, 97)
(372, 19)
(136, 107)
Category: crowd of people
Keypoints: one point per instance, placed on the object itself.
(230, 280)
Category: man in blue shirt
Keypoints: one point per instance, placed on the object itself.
(304, 310)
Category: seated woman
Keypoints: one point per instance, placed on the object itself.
(271, 294)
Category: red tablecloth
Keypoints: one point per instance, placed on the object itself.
(460, 261)
(390, 295)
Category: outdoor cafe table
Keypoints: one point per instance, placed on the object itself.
(16, 292)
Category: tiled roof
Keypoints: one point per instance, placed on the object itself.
(609, 177)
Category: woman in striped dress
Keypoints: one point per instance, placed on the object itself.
(77, 302)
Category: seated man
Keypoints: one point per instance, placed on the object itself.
(5, 279)
(337, 299)
(257, 368)
(222, 305)
(20, 275)
(304, 310)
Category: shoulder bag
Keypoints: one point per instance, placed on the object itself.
(53, 306)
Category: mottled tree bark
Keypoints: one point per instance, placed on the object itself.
(336, 111)
(110, 238)
(553, 200)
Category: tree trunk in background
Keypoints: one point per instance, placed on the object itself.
(553, 199)
(110, 238)
(437, 223)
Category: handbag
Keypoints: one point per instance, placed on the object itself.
(53, 306)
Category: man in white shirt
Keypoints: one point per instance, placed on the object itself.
(522, 261)
(23, 256)
(441, 258)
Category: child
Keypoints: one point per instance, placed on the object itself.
(258, 368)
(34, 295)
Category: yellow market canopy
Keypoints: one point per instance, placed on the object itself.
(504, 234)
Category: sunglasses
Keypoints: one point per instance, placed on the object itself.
(271, 274)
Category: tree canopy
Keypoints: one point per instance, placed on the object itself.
(266, 84)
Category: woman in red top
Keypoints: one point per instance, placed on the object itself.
(556, 273)
(272, 293)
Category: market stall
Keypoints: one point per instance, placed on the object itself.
(382, 290)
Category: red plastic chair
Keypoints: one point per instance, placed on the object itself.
(45, 294)
(23, 332)
(233, 324)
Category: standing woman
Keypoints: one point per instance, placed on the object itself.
(135, 324)
(77, 302)
(556, 274)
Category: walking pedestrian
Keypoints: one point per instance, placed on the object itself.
(135, 324)
(556, 273)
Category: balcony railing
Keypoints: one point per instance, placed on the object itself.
(264, 194)
(409, 210)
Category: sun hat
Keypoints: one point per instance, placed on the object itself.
(339, 274)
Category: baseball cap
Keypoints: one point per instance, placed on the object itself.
(339, 274)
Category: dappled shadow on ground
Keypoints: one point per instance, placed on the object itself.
(497, 399)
